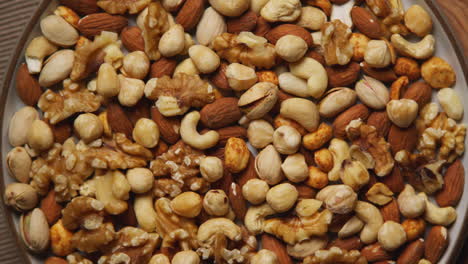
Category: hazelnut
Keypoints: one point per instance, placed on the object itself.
(282, 197)
(391, 236)
(136, 65)
(317, 178)
(286, 140)
(402, 112)
(264, 256)
(268, 165)
(211, 169)
(131, 90)
(255, 191)
(140, 179)
(308, 207)
(88, 127)
(146, 133)
(291, 48)
(312, 18)
(260, 133)
(240, 77)
(216, 203)
(236, 155)
(339, 199)
(204, 58)
(377, 54)
(281, 10)
(230, 8)
(187, 204)
(40, 136)
(295, 168)
(186, 257)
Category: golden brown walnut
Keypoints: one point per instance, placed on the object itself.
(368, 140)
(336, 43)
(77, 258)
(156, 23)
(296, 229)
(166, 187)
(336, 255)
(257, 53)
(90, 241)
(132, 246)
(73, 98)
(121, 6)
(83, 211)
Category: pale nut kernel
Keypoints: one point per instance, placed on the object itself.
(379, 194)
(339, 199)
(131, 91)
(236, 155)
(372, 93)
(136, 65)
(291, 48)
(40, 136)
(301, 110)
(360, 42)
(88, 127)
(257, 5)
(311, 18)
(159, 259)
(216, 203)
(172, 5)
(402, 112)
(211, 25)
(186, 257)
(317, 178)
(58, 31)
(286, 140)
(211, 168)
(391, 235)
(187, 204)
(204, 58)
(267, 165)
(315, 74)
(324, 159)
(418, 21)
(172, 41)
(295, 168)
(255, 191)
(414, 228)
(20, 124)
(354, 174)
(410, 204)
(264, 256)
(336, 101)
(308, 207)
(282, 197)
(240, 77)
(187, 66)
(451, 103)
(281, 10)
(377, 54)
(146, 133)
(291, 84)
(140, 179)
(438, 73)
(107, 82)
(260, 133)
(19, 164)
(230, 8)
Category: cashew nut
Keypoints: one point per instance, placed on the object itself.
(218, 226)
(144, 211)
(410, 204)
(372, 218)
(301, 110)
(255, 217)
(37, 50)
(419, 50)
(190, 135)
(352, 227)
(435, 215)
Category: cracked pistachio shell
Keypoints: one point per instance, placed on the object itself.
(19, 164)
(336, 101)
(372, 93)
(58, 31)
(34, 230)
(268, 165)
(258, 100)
(20, 196)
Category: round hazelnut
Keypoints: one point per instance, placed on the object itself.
(291, 48)
(131, 90)
(295, 168)
(377, 54)
(286, 140)
(140, 179)
(418, 21)
(391, 235)
(402, 112)
(159, 259)
(264, 256)
(204, 58)
(211, 168)
(146, 133)
(339, 199)
(282, 197)
(187, 204)
(88, 127)
(260, 133)
(216, 203)
(40, 136)
(255, 191)
(136, 65)
(312, 18)
(186, 257)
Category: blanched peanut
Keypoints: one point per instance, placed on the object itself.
(240, 77)
(131, 90)
(187, 204)
(295, 168)
(216, 203)
(107, 83)
(136, 65)
(172, 41)
(255, 191)
(40, 136)
(146, 133)
(282, 197)
(88, 127)
(291, 48)
(451, 103)
(140, 179)
(260, 133)
(204, 58)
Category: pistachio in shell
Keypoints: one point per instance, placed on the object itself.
(258, 100)
(22, 197)
(34, 230)
(19, 164)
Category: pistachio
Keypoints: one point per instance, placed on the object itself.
(336, 101)
(259, 100)
(372, 92)
(57, 67)
(58, 31)
(34, 230)
(402, 112)
(19, 164)
(20, 124)
(268, 165)
(20, 196)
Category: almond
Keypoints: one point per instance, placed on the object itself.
(394, 180)
(219, 78)
(384, 74)
(27, 86)
(163, 66)
(238, 203)
(226, 181)
(262, 28)
(436, 243)
(352, 243)
(127, 218)
(343, 76)
(190, 13)
(52, 210)
(381, 122)
(55, 260)
(390, 212)
(338, 221)
(271, 243)
(402, 138)
(318, 57)
(232, 131)
(94, 24)
(246, 22)
(140, 110)
(452, 190)
(62, 131)
(305, 192)
(168, 127)
(132, 39)
(375, 252)
(420, 92)
(221, 113)
(249, 172)
(366, 23)
(359, 111)
(289, 29)
(118, 121)
(413, 253)
(82, 7)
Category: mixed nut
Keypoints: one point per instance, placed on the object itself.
(135, 144)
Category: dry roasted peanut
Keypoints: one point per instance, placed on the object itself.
(260, 133)
(236, 155)
(293, 85)
(391, 236)
(438, 73)
(291, 48)
(317, 178)
(407, 67)
(410, 204)
(258, 100)
(311, 18)
(372, 218)
(186, 257)
(418, 21)
(302, 111)
(339, 199)
(451, 103)
(131, 90)
(379, 194)
(323, 159)
(216, 203)
(187, 66)
(230, 8)
(40, 136)
(402, 112)
(187, 204)
(172, 41)
(20, 124)
(311, 70)
(281, 10)
(282, 197)
(60, 240)
(57, 68)
(359, 42)
(255, 191)
(140, 179)
(211, 168)
(317, 139)
(88, 127)
(282, 121)
(58, 31)
(19, 164)
(107, 83)
(372, 93)
(418, 50)
(268, 76)
(37, 50)
(378, 54)
(146, 133)
(267, 165)
(414, 228)
(295, 168)
(190, 135)
(337, 100)
(144, 211)
(211, 25)
(240, 77)
(136, 65)
(20, 196)
(286, 140)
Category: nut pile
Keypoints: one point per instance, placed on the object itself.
(133, 146)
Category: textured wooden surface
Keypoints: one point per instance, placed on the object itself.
(457, 14)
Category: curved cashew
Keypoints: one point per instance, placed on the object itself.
(37, 50)
(353, 226)
(144, 211)
(373, 220)
(303, 111)
(410, 204)
(255, 217)
(218, 226)
(190, 135)
(419, 50)
(435, 215)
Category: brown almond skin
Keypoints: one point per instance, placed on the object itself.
(262, 28)
(190, 14)
(232, 131)
(238, 203)
(343, 76)
(375, 252)
(62, 131)
(94, 24)
(385, 75)
(305, 192)
(27, 86)
(352, 243)
(118, 120)
(413, 253)
(272, 243)
(317, 56)
(394, 180)
(289, 29)
(82, 7)
(381, 122)
(420, 92)
(51, 208)
(246, 22)
(248, 173)
(402, 138)
(391, 212)
(132, 39)
(341, 121)
(436, 243)
(452, 190)
(366, 23)
(168, 127)
(55, 260)
(221, 113)
(140, 110)
(219, 78)
(163, 66)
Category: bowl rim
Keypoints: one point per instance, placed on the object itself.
(19, 45)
